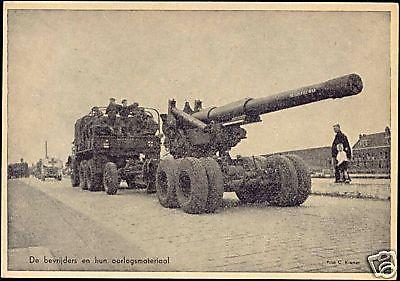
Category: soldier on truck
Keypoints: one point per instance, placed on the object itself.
(111, 111)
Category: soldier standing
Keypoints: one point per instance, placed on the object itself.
(134, 123)
(124, 110)
(111, 111)
(339, 138)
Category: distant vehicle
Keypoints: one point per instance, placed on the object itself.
(49, 168)
(18, 170)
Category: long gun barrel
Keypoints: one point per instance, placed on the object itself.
(340, 87)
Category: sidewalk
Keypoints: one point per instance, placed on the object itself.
(359, 188)
(360, 176)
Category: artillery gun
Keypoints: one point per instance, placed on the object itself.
(104, 155)
(200, 140)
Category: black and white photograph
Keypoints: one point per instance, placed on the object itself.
(199, 139)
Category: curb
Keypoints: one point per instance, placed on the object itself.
(352, 195)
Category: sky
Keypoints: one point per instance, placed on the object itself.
(61, 63)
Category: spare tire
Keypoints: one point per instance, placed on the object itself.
(110, 178)
(281, 189)
(82, 174)
(303, 178)
(215, 184)
(192, 188)
(166, 182)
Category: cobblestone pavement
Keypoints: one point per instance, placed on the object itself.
(325, 234)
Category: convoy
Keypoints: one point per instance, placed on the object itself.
(200, 168)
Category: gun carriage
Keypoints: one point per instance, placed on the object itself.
(200, 140)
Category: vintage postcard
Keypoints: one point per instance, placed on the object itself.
(199, 139)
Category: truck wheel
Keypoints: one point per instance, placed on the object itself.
(192, 188)
(110, 178)
(249, 194)
(303, 178)
(151, 186)
(82, 175)
(166, 182)
(215, 184)
(75, 178)
(149, 175)
(94, 181)
(282, 181)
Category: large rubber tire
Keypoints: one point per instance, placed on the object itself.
(215, 184)
(282, 181)
(192, 188)
(166, 182)
(251, 194)
(94, 181)
(110, 178)
(75, 177)
(151, 186)
(149, 176)
(303, 178)
(82, 174)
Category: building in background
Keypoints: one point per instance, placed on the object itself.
(370, 155)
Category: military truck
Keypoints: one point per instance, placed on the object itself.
(49, 167)
(104, 154)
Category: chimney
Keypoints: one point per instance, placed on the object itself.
(45, 149)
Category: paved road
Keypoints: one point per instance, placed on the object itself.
(325, 234)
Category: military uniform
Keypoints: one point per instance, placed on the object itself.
(124, 111)
(111, 111)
